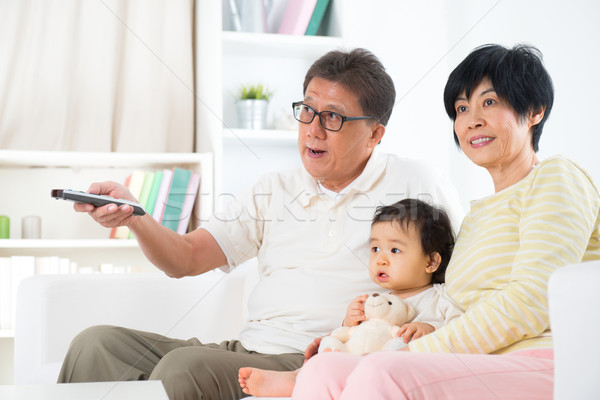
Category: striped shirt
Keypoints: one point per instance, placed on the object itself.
(508, 245)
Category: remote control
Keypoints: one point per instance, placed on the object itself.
(95, 199)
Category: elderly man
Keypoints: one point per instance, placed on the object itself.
(308, 228)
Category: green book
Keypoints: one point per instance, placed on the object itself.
(154, 192)
(176, 198)
(317, 17)
(144, 193)
(146, 186)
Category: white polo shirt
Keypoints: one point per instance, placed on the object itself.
(312, 249)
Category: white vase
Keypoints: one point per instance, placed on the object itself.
(252, 114)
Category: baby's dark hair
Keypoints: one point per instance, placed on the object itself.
(431, 222)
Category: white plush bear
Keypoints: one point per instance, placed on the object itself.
(385, 314)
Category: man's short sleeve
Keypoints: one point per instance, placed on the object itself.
(239, 228)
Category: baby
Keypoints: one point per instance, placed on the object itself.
(411, 243)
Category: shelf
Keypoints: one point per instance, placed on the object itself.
(260, 136)
(68, 159)
(68, 244)
(272, 44)
(7, 333)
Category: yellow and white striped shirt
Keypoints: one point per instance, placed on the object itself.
(508, 246)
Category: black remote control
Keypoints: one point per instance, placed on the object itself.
(95, 199)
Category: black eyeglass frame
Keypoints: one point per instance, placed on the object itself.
(315, 113)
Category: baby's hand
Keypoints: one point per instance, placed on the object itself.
(414, 330)
(355, 314)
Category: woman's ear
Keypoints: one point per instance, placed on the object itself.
(434, 262)
(535, 117)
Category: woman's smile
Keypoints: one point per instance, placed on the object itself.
(480, 141)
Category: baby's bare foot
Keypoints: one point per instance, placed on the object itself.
(266, 383)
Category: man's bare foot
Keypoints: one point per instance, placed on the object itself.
(266, 383)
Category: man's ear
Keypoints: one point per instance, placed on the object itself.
(434, 262)
(377, 133)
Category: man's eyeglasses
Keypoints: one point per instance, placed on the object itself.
(329, 120)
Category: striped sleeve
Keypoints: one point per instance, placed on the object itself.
(558, 216)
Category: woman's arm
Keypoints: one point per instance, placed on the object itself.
(559, 215)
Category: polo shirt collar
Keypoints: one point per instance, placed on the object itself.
(365, 181)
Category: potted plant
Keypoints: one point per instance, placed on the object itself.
(251, 106)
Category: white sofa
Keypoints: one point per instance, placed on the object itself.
(51, 310)
(574, 294)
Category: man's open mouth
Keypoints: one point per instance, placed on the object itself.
(315, 151)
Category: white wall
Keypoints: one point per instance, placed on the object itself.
(410, 39)
(421, 42)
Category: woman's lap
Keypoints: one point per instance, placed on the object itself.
(403, 375)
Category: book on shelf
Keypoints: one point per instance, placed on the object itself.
(52, 265)
(297, 16)
(178, 190)
(161, 196)
(167, 195)
(316, 17)
(154, 192)
(146, 187)
(144, 193)
(188, 203)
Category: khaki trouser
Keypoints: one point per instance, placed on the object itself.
(188, 369)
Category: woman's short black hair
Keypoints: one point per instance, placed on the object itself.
(431, 222)
(518, 76)
(361, 72)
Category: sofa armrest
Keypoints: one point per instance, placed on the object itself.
(575, 322)
(53, 309)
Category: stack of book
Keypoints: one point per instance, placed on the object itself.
(303, 17)
(168, 196)
(290, 17)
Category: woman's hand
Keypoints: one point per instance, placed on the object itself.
(414, 330)
(355, 314)
(110, 215)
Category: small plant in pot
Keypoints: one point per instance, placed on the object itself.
(251, 107)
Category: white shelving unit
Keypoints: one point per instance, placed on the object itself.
(269, 44)
(279, 62)
(29, 176)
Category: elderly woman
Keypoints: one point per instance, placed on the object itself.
(543, 215)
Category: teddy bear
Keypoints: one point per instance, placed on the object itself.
(385, 314)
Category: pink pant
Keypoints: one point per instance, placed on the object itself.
(397, 375)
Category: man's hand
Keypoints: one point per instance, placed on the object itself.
(414, 330)
(355, 314)
(110, 215)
